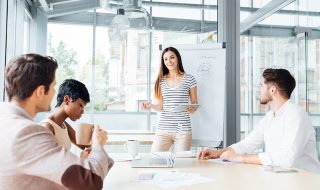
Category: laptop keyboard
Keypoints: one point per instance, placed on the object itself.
(157, 161)
(151, 162)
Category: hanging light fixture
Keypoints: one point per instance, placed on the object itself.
(120, 21)
(116, 37)
(138, 16)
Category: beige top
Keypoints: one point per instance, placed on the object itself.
(60, 133)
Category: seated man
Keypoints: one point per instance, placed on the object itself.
(31, 157)
(285, 130)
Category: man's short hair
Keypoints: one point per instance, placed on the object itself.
(282, 79)
(73, 88)
(27, 72)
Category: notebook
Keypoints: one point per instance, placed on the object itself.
(156, 160)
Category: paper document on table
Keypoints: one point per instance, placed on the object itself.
(279, 169)
(176, 179)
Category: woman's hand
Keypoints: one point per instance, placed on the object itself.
(146, 105)
(191, 109)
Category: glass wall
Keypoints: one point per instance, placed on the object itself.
(26, 32)
(119, 74)
(298, 51)
(74, 56)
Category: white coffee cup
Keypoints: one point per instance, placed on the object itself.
(84, 133)
(132, 147)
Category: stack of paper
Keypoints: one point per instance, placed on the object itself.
(176, 179)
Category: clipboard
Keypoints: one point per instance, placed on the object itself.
(183, 107)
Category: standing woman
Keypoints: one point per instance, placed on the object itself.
(172, 88)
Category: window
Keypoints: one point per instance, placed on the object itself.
(26, 32)
(116, 71)
(297, 53)
(117, 80)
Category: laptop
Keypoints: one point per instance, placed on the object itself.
(156, 160)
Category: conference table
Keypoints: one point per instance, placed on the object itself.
(231, 176)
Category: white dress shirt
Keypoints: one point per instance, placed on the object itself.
(289, 139)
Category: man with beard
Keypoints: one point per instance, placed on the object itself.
(286, 130)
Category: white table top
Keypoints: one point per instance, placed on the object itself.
(227, 177)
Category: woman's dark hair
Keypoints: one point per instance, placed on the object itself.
(73, 88)
(27, 72)
(164, 70)
(282, 79)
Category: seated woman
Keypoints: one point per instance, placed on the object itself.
(71, 100)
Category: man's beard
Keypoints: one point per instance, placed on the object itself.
(266, 100)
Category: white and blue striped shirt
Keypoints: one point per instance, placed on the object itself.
(175, 121)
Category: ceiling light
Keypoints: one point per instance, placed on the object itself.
(138, 16)
(120, 21)
(116, 37)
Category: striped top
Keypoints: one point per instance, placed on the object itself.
(175, 121)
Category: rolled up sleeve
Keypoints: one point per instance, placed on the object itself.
(252, 141)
